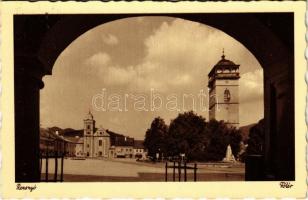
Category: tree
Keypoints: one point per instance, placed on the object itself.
(217, 132)
(189, 133)
(256, 139)
(186, 135)
(235, 139)
(220, 136)
(154, 137)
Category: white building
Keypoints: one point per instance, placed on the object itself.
(98, 142)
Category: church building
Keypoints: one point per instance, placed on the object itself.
(223, 86)
(95, 142)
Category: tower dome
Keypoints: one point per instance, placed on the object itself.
(224, 68)
(224, 62)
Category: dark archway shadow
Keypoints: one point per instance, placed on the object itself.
(40, 39)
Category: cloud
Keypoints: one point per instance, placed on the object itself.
(110, 39)
(251, 86)
(173, 58)
(178, 57)
(114, 75)
(99, 59)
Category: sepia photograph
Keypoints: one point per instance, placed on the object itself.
(168, 97)
(163, 98)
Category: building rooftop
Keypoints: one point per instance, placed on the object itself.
(222, 65)
(119, 139)
(224, 62)
(138, 144)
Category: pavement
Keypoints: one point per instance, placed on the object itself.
(132, 170)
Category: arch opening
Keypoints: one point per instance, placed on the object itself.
(128, 61)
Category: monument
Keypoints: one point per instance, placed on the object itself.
(229, 156)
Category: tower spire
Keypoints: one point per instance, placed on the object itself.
(89, 115)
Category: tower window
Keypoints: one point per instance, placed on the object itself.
(227, 95)
(100, 143)
(88, 126)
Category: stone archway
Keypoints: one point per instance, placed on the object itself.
(39, 40)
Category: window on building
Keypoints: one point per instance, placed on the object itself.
(100, 143)
(100, 153)
(88, 145)
(88, 126)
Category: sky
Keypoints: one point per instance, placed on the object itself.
(129, 71)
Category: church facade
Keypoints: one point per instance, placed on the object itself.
(223, 87)
(101, 143)
(96, 142)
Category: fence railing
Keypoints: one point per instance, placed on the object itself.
(54, 150)
(179, 166)
(57, 174)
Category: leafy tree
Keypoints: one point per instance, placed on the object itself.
(235, 139)
(186, 135)
(220, 136)
(190, 134)
(154, 137)
(256, 139)
(217, 132)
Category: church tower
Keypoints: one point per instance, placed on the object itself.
(224, 92)
(88, 135)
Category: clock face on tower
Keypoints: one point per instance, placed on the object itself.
(227, 95)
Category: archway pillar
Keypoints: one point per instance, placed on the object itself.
(279, 113)
(28, 82)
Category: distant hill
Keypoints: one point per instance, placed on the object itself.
(54, 129)
(72, 132)
(50, 133)
(245, 131)
(67, 132)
